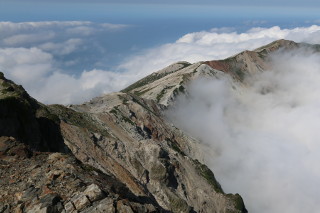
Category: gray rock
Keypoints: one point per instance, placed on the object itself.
(4, 208)
(38, 209)
(105, 205)
(30, 193)
(80, 201)
(69, 207)
(122, 207)
(19, 208)
(50, 200)
(93, 192)
(50, 203)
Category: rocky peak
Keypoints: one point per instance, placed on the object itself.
(276, 45)
(117, 153)
(249, 62)
(164, 85)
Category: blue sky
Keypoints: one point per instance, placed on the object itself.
(121, 37)
(310, 3)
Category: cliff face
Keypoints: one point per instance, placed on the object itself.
(116, 153)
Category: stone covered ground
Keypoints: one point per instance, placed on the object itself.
(55, 182)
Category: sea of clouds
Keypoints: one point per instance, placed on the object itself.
(261, 138)
(35, 54)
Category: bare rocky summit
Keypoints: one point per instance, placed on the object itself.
(163, 86)
(115, 153)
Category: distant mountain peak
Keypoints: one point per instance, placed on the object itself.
(278, 44)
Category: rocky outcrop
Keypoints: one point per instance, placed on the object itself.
(116, 153)
(163, 86)
(24, 118)
(155, 160)
(250, 62)
(56, 182)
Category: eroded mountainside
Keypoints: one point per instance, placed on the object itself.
(115, 153)
(163, 86)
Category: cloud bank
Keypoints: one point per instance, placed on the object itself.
(217, 44)
(262, 139)
(43, 56)
(57, 55)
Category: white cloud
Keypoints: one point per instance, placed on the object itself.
(49, 46)
(66, 89)
(9, 27)
(25, 66)
(215, 44)
(262, 140)
(35, 54)
(81, 30)
(113, 26)
(62, 48)
(27, 38)
(36, 33)
(12, 29)
(35, 70)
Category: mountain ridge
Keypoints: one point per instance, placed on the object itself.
(178, 75)
(121, 139)
(85, 144)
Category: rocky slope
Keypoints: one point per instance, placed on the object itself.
(116, 153)
(163, 86)
(117, 147)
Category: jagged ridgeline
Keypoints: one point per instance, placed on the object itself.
(116, 153)
(163, 86)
